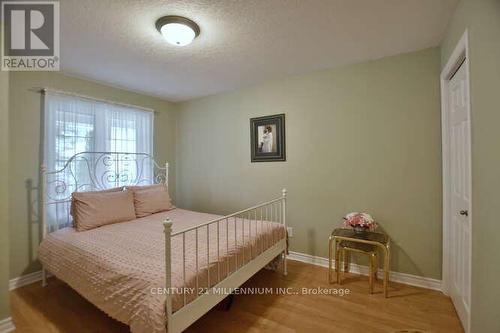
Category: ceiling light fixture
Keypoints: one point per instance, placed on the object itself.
(177, 30)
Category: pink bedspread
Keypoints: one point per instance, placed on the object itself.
(119, 267)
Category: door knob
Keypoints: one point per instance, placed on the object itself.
(464, 212)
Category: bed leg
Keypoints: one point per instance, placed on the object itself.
(167, 228)
(44, 277)
(283, 220)
(285, 270)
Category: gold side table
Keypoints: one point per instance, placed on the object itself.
(344, 241)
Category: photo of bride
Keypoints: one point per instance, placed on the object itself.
(267, 141)
(268, 138)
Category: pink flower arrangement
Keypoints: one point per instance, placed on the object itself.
(360, 220)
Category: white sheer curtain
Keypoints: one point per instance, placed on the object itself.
(77, 124)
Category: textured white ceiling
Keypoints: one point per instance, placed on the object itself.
(242, 42)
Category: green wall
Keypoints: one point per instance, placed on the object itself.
(482, 19)
(24, 124)
(360, 138)
(4, 218)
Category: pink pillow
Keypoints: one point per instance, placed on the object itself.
(95, 209)
(151, 199)
(72, 207)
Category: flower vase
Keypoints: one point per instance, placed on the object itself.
(359, 230)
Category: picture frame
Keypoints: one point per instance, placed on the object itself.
(267, 138)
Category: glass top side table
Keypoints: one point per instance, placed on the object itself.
(367, 243)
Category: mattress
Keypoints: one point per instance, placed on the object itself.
(120, 268)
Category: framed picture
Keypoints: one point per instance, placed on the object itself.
(267, 137)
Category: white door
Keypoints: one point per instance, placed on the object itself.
(459, 154)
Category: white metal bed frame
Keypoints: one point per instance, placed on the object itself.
(56, 188)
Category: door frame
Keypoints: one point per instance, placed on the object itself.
(459, 57)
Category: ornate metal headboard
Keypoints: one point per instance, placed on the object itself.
(93, 171)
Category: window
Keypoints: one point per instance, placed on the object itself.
(76, 124)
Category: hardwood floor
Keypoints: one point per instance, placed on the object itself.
(59, 309)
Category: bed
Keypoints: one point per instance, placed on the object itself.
(158, 273)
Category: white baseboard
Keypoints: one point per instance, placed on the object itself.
(413, 280)
(7, 325)
(25, 280)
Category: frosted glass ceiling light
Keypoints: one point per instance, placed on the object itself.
(177, 30)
